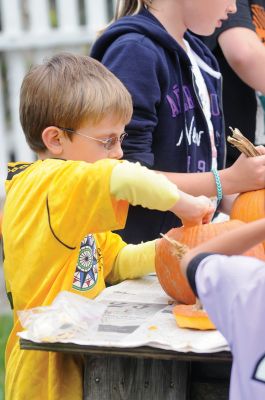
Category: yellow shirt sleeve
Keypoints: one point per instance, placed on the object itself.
(133, 261)
(141, 186)
(109, 245)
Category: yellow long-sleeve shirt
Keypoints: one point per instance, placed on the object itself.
(56, 229)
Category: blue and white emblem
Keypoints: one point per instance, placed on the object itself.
(86, 272)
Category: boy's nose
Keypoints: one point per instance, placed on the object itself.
(117, 152)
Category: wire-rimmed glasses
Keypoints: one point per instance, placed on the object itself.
(108, 143)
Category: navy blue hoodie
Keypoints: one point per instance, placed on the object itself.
(168, 130)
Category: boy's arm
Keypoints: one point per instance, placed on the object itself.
(141, 186)
(89, 198)
(133, 261)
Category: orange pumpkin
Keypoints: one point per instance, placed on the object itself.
(249, 206)
(192, 318)
(167, 264)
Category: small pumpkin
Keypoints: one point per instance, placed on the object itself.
(248, 206)
(167, 257)
(189, 316)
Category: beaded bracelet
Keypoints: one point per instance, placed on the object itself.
(219, 190)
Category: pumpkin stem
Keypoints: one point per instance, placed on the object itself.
(180, 248)
(242, 143)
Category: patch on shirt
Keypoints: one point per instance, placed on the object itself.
(259, 372)
(86, 272)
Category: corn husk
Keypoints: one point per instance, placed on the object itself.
(242, 143)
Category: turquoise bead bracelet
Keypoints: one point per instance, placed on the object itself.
(219, 190)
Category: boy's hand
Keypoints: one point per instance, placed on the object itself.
(193, 210)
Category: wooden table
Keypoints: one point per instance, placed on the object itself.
(147, 373)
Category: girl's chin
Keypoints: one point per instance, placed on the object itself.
(209, 31)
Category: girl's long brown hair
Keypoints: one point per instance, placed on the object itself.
(124, 8)
(128, 7)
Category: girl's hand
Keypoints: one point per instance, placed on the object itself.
(247, 173)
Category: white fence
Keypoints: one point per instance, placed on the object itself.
(31, 30)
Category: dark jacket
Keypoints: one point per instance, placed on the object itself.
(168, 130)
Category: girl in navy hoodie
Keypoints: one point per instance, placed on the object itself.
(177, 126)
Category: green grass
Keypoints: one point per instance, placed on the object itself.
(5, 327)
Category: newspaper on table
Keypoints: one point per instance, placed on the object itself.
(139, 313)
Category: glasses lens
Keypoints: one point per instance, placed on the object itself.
(111, 142)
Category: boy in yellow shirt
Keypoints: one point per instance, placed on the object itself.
(60, 210)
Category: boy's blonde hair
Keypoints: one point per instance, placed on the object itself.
(68, 90)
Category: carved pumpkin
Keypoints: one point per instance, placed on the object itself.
(192, 318)
(167, 263)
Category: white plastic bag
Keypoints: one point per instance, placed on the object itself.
(69, 316)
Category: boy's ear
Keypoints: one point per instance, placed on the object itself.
(53, 139)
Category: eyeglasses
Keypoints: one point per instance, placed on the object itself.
(108, 143)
